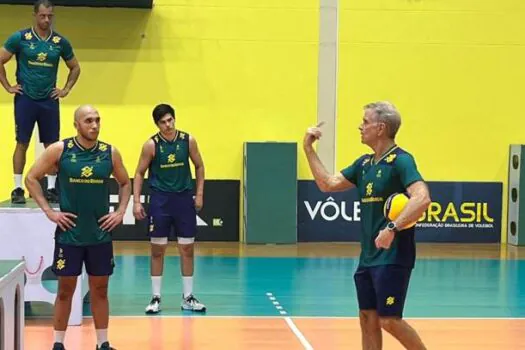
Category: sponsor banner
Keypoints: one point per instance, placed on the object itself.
(468, 212)
(217, 221)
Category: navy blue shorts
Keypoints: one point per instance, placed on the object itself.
(382, 288)
(44, 112)
(172, 211)
(98, 259)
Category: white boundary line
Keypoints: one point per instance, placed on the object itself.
(298, 333)
(297, 317)
(289, 322)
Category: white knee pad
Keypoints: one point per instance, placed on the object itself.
(159, 240)
(184, 240)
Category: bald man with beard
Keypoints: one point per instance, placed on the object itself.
(84, 166)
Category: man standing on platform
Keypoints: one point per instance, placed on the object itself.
(84, 222)
(38, 51)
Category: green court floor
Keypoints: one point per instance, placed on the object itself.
(232, 286)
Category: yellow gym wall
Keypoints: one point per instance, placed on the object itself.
(455, 70)
(239, 71)
(235, 71)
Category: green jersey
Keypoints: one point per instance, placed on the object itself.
(170, 170)
(375, 182)
(37, 60)
(83, 178)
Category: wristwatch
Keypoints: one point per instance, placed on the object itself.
(392, 227)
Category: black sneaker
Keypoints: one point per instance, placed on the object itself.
(105, 346)
(58, 346)
(52, 195)
(18, 196)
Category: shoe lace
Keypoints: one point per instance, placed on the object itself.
(192, 300)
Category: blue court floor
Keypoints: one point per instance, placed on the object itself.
(243, 286)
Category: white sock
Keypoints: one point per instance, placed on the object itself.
(102, 336)
(51, 180)
(59, 336)
(18, 181)
(187, 285)
(156, 284)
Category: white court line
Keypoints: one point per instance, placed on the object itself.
(298, 334)
(297, 317)
(289, 322)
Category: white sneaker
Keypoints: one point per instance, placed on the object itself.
(154, 305)
(191, 303)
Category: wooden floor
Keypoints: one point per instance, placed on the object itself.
(203, 333)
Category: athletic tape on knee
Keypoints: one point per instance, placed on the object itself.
(159, 240)
(185, 240)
